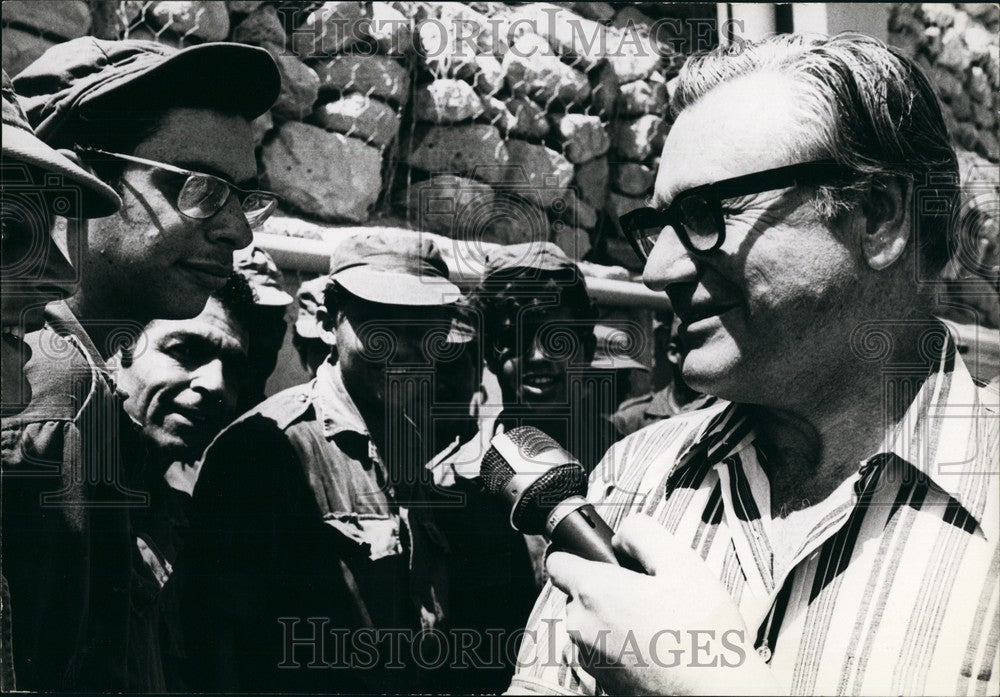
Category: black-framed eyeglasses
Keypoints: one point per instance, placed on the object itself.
(203, 195)
(697, 215)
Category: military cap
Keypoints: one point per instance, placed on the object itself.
(393, 268)
(86, 77)
(92, 199)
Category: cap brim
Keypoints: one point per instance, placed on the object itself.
(272, 297)
(389, 288)
(238, 77)
(95, 199)
(617, 363)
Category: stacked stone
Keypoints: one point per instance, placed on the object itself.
(513, 125)
(31, 28)
(343, 88)
(524, 116)
(958, 47)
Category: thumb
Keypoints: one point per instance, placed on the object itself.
(649, 543)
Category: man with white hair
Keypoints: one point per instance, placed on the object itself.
(832, 526)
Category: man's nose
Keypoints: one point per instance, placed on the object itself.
(538, 351)
(669, 263)
(210, 379)
(230, 226)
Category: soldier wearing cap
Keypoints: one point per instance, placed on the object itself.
(307, 508)
(268, 325)
(37, 184)
(183, 168)
(538, 334)
(306, 338)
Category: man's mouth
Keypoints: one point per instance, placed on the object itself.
(540, 383)
(210, 273)
(696, 314)
(193, 418)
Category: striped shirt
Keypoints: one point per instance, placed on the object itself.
(895, 590)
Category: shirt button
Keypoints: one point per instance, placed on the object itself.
(764, 652)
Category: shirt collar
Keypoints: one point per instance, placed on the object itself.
(337, 410)
(943, 435)
(663, 405)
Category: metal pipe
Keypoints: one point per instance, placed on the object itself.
(313, 256)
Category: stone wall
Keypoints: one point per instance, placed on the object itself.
(484, 120)
(510, 122)
(957, 44)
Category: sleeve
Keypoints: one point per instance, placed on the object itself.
(45, 558)
(233, 554)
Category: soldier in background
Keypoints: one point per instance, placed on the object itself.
(268, 324)
(538, 339)
(307, 337)
(314, 504)
(676, 398)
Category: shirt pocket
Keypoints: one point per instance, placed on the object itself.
(375, 536)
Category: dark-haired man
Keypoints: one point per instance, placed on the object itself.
(832, 527)
(183, 167)
(311, 510)
(183, 379)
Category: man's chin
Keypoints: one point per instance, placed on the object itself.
(171, 448)
(182, 299)
(710, 372)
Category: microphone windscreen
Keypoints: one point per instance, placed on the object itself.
(495, 471)
(531, 441)
(553, 473)
(556, 485)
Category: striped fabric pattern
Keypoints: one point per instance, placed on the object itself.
(896, 589)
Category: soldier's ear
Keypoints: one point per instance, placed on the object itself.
(327, 323)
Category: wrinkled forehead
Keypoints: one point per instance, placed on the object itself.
(750, 124)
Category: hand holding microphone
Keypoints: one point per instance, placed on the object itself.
(545, 487)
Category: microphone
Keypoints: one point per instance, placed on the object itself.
(545, 485)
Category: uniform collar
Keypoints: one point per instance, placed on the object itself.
(662, 404)
(337, 410)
